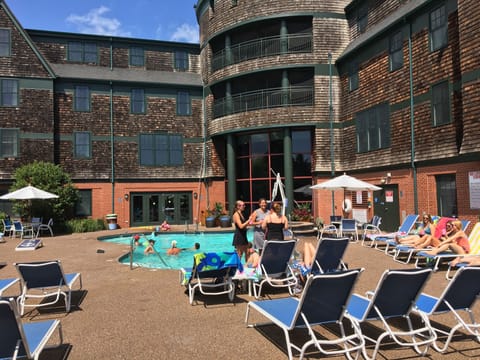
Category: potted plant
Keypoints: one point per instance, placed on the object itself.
(213, 215)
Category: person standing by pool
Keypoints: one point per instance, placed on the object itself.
(258, 231)
(275, 223)
(240, 241)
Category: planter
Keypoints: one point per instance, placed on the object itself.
(225, 221)
(209, 222)
(111, 221)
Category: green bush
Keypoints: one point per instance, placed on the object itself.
(84, 225)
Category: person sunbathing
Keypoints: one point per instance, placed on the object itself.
(253, 257)
(427, 230)
(455, 240)
(471, 260)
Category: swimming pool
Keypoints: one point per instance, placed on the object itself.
(209, 242)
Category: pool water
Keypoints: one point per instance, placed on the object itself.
(209, 242)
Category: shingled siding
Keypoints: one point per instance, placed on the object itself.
(469, 27)
(378, 85)
(160, 117)
(157, 57)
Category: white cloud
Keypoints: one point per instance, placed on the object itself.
(95, 23)
(185, 33)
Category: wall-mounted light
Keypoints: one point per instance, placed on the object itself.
(386, 179)
(195, 195)
(126, 197)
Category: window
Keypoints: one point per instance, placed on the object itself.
(446, 195)
(82, 52)
(183, 103)
(181, 60)
(9, 95)
(137, 56)
(82, 144)
(137, 101)
(83, 206)
(5, 42)
(362, 19)
(82, 98)
(373, 128)
(353, 79)
(396, 51)
(440, 103)
(161, 149)
(9, 142)
(438, 29)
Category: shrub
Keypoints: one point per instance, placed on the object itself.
(302, 213)
(84, 225)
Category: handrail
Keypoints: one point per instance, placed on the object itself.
(262, 47)
(264, 99)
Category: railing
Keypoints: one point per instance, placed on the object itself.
(269, 46)
(264, 99)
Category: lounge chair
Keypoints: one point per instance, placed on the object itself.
(435, 260)
(328, 231)
(323, 302)
(6, 283)
(36, 222)
(45, 227)
(212, 274)
(329, 254)
(20, 339)
(394, 298)
(275, 268)
(460, 294)
(384, 242)
(42, 280)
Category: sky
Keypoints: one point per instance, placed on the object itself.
(169, 20)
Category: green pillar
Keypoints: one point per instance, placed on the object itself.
(283, 37)
(228, 50)
(228, 98)
(288, 166)
(285, 88)
(231, 173)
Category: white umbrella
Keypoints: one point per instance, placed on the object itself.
(28, 193)
(346, 182)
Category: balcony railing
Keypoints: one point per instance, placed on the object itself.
(268, 46)
(264, 99)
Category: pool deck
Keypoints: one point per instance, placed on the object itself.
(145, 314)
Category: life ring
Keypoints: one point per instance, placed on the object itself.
(347, 206)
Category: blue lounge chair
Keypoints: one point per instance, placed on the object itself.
(275, 268)
(212, 274)
(329, 254)
(6, 283)
(384, 242)
(323, 302)
(460, 294)
(24, 339)
(394, 298)
(41, 280)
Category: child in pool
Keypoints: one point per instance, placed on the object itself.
(149, 249)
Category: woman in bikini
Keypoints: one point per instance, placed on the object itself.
(456, 240)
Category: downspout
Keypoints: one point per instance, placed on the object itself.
(412, 122)
(330, 119)
(112, 155)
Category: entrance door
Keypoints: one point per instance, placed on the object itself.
(385, 205)
(154, 208)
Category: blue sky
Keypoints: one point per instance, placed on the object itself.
(171, 20)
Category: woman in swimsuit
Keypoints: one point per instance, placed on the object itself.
(456, 240)
(275, 223)
(240, 241)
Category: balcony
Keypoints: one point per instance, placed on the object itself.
(264, 99)
(258, 48)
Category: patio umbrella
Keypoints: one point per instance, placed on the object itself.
(28, 193)
(346, 182)
(305, 190)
